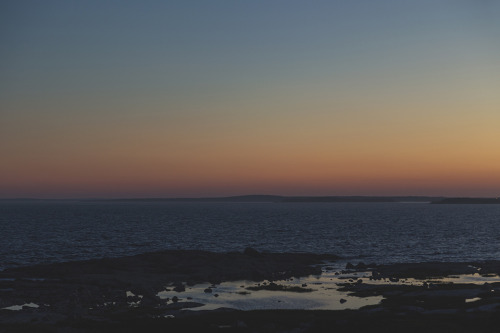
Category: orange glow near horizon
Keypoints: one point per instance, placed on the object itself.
(301, 157)
(338, 170)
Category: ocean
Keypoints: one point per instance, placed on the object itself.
(34, 232)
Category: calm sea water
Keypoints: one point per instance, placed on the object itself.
(51, 231)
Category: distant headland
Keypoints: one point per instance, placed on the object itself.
(256, 198)
(468, 201)
(279, 198)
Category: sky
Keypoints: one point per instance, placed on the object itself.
(111, 99)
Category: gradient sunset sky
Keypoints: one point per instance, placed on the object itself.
(212, 98)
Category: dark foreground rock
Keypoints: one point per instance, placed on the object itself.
(276, 321)
(429, 270)
(179, 265)
(98, 288)
(96, 296)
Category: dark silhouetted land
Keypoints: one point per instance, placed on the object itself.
(278, 198)
(290, 199)
(91, 296)
(458, 201)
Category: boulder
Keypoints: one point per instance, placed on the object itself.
(252, 252)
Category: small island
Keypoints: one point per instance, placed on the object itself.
(466, 201)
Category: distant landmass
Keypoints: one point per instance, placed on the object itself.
(278, 198)
(467, 201)
(292, 199)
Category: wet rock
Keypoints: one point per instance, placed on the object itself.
(175, 299)
(361, 265)
(208, 291)
(342, 301)
(101, 284)
(215, 280)
(252, 252)
(149, 301)
(180, 288)
(133, 298)
(181, 305)
(349, 266)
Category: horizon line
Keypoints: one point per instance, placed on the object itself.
(131, 198)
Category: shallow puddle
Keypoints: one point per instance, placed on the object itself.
(323, 295)
(317, 292)
(475, 278)
(470, 300)
(20, 307)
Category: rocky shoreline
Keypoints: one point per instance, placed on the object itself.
(96, 295)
